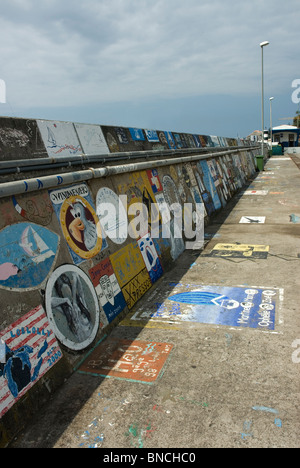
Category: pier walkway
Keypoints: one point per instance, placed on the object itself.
(211, 356)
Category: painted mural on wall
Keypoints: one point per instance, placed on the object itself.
(72, 307)
(31, 349)
(172, 198)
(150, 256)
(137, 188)
(91, 138)
(79, 222)
(131, 273)
(232, 306)
(37, 210)
(20, 139)
(107, 288)
(209, 184)
(59, 138)
(112, 215)
(27, 255)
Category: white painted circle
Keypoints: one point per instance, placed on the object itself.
(72, 307)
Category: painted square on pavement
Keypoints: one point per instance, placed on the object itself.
(127, 359)
(249, 307)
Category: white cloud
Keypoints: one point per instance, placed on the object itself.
(56, 53)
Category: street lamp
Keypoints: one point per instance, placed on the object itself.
(262, 45)
(271, 99)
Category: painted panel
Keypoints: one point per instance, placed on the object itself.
(137, 134)
(150, 257)
(107, 288)
(240, 251)
(253, 220)
(170, 140)
(60, 138)
(91, 138)
(131, 273)
(112, 215)
(140, 361)
(232, 306)
(79, 222)
(20, 139)
(209, 184)
(72, 307)
(172, 197)
(138, 190)
(31, 350)
(152, 136)
(27, 255)
(154, 180)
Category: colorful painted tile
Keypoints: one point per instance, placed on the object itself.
(79, 222)
(27, 255)
(31, 350)
(150, 257)
(240, 251)
(107, 288)
(72, 307)
(233, 306)
(256, 192)
(252, 220)
(131, 273)
(126, 359)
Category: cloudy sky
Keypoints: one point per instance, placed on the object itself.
(189, 66)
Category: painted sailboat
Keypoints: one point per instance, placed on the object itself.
(34, 246)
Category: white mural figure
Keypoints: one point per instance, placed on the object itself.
(81, 228)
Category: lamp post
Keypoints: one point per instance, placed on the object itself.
(262, 45)
(271, 99)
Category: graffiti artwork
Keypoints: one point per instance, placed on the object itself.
(139, 361)
(112, 215)
(27, 255)
(252, 220)
(36, 210)
(240, 251)
(232, 306)
(142, 208)
(31, 350)
(137, 134)
(72, 307)
(171, 198)
(108, 290)
(59, 138)
(256, 192)
(91, 138)
(150, 257)
(152, 136)
(131, 273)
(79, 222)
(209, 184)
(154, 180)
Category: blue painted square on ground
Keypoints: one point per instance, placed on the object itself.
(249, 307)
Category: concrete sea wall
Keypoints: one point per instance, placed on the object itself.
(69, 270)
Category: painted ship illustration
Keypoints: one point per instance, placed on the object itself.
(34, 246)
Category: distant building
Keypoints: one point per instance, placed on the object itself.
(254, 136)
(287, 135)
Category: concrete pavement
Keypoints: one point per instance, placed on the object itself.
(178, 373)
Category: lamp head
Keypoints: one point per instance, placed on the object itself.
(263, 44)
